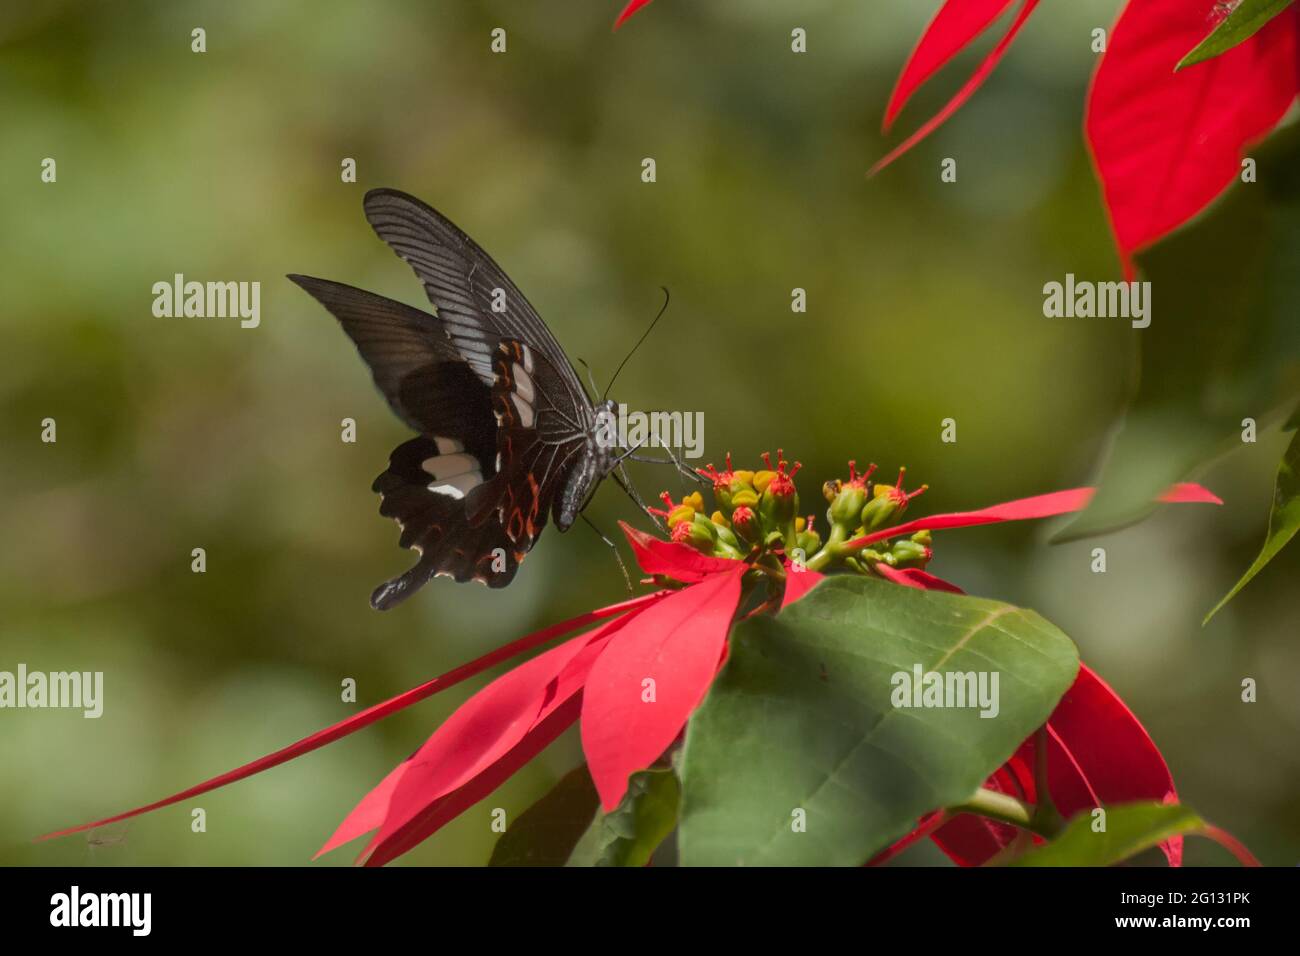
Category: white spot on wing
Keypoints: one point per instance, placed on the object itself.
(447, 446)
(525, 410)
(449, 466)
(523, 384)
(459, 486)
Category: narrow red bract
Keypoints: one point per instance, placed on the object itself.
(1098, 754)
(599, 675)
(1024, 509)
(982, 73)
(378, 711)
(442, 812)
(798, 583)
(1165, 143)
(957, 23)
(916, 578)
(673, 560)
(478, 735)
(651, 677)
(628, 10)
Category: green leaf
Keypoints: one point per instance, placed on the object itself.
(1245, 20)
(630, 833)
(1283, 522)
(1222, 345)
(1130, 829)
(801, 719)
(546, 833)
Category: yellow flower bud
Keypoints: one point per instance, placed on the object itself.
(679, 514)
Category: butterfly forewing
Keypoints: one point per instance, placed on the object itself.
(462, 281)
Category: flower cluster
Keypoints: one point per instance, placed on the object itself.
(757, 512)
(756, 518)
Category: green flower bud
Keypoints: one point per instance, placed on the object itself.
(847, 504)
(727, 538)
(911, 554)
(887, 502)
(809, 541)
(700, 533)
(878, 512)
(780, 502)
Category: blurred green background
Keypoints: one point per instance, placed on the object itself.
(924, 300)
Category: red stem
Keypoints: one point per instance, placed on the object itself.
(1231, 844)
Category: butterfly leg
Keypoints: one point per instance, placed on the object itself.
(613, 547)
(690, 473)
(681, 468)
(620, 476)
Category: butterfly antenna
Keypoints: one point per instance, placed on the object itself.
(590, 378)
(613, 547)
(662, 309)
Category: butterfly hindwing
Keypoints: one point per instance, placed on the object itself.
(424, 489)
(474, 520)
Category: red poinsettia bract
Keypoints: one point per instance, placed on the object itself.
(628, 10)
(1165, 142)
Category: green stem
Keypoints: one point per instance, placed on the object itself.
(1002, 807)
(849, 548)
(829, 551)
(819, 560)
(771, 567)
(1046, 817)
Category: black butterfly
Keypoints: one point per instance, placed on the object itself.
(508, 436)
